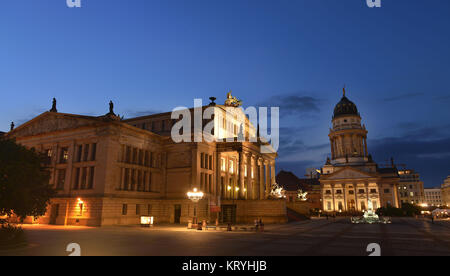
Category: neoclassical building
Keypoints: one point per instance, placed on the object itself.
(350, 178)
(110, 171)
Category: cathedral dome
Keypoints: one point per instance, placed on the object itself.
(345, 107)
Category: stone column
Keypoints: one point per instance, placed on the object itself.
(249, 177)
(367, 195)
(333, 193)
(266, 163)
(194, 170)
(344, 191)
(261, 183)
(217, 168)
(272, 173)
(241, 176)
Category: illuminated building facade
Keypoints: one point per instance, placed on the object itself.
(433, 197)
(109, 171)
(350, 178)
(445, 189)
(410, 188)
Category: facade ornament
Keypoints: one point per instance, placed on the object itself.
(12, 126)
(212, 103)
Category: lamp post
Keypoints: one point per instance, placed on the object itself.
(195, 196)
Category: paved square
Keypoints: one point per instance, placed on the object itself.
(316, 237)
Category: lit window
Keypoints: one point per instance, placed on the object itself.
(231, 166)
(223, 164)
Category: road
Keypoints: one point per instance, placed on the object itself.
(316, 237)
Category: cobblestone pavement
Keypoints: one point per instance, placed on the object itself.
(316, 237)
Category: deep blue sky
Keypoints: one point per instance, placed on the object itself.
(154, 55)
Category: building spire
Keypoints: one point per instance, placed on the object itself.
(12, 126)
(343, 89)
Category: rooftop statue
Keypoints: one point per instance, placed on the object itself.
(232, 101)
(54, 106)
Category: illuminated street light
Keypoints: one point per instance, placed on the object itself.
(195, 196)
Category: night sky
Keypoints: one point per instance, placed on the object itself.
(153, 55)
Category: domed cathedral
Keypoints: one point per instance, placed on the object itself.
(351, 178)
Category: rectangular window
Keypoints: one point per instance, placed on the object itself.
(91, 178)
(124, 209)
(86, 153)
(146, 161)
(126, 182)
(133, 180)
(328, 192)
(202, 165)
(128, 155)
(139, 184)
(64, 155)
(79, 153)
(77, 179)
(361, 191)
(373, 191)
(339, 192)
(329, 206)
(138, 209)
(231, 166)
(61, 179)
(48, 156)
(223, 164)
(387, 191)
(210, 162)
(135, 157)
(141, 157)
(94, 152)
(83, 178)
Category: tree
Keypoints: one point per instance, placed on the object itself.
(24, 181)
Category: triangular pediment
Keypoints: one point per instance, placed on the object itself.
(348, 173)
(51, 122)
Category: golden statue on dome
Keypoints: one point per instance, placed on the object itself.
(232, 101)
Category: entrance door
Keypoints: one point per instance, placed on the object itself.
(54, 212)
(351, 205)
(228, 214)
(177, 214)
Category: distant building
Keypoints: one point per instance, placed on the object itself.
(445, 190)
(351, 178)
(292, 184)
(433, 196)
(410, 188)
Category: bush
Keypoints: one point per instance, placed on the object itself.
(407, 210)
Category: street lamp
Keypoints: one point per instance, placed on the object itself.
(195, 196)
